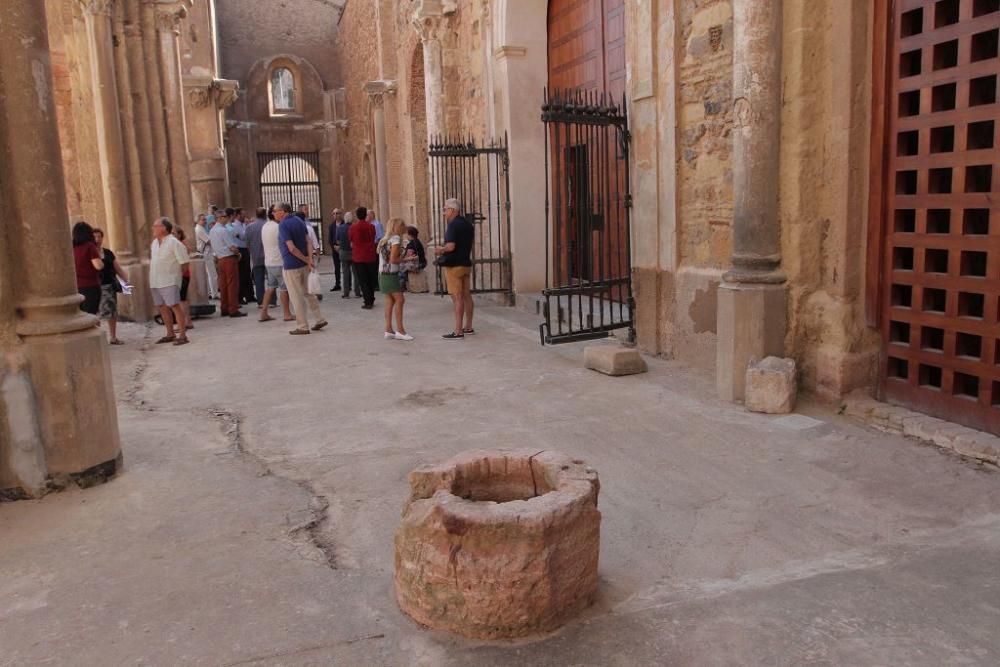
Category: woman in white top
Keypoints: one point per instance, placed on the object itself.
(390, 250)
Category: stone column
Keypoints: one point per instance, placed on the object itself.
(66, 355)
(110, 147)
(160, 154)
(377, 91)
(430, 21)
(753, 298)
(168, 18)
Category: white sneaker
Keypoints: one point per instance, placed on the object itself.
(389, 336)
(402, 336)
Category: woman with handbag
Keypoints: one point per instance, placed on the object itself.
(110, 287)
(390, 252)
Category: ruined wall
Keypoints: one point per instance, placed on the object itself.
(824, 192)
(249, 30)
(464, 76)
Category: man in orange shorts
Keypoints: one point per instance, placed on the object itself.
(456, 258)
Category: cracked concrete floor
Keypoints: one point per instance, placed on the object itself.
(265, 476)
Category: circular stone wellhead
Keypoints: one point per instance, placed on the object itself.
(499, 544)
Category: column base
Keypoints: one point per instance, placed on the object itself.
(74, 401)
(137, 307)
(752, 320)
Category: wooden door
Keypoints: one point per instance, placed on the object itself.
(940, 287)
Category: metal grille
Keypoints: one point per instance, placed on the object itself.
(478, 177)
(292, 178)
(942, 260)
(588, 276)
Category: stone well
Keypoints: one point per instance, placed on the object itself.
(499, 544)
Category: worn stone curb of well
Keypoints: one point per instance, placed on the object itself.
(947, 435)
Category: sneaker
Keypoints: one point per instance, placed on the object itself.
(299, 332)
(390, 336)
(469, 332)
(402, 336)
(453, 336)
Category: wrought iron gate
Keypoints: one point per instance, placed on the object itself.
(588, 275)
(478, 177)
(292, 178)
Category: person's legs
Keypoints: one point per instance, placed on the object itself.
(336, 270)
(182, 321)
(347, 266)
(398, 301)
(470, 305)
(363, 278)
(268, 297)
(387, 312)
(259, 280)
(312, 301)
(225, 289)
(113, 328)
(246, 280)
(233, 287)
(372, 269)
(286, 307)
(295, 281)
(168, 320)
(212, 274)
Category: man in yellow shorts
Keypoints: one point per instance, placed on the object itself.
(456, 259)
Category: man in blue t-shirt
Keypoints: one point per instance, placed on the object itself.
(296, 256)
(457, 263)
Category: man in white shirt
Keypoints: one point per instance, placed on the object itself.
(204, 248)
(275, 280)
(167, 260)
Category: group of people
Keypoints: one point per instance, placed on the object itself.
(273, 260)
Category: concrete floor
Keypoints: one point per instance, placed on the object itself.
(265, 475)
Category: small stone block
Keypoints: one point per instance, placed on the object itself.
(614, 360)
(771, 386)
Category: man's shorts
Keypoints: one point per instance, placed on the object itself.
(275, 279)
(458, 278)
(166, 296)
(109, 302)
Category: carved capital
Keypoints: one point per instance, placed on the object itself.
(377, 91)
(203, 92)
(430, 18)
(97, 7)
(170, 15)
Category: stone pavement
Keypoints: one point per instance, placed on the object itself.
(265, 476)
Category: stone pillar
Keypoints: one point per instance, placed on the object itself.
(65, 355)
(157, 123)
(110, 147)
(752, 316)
(206, 99)
(168, 18)
(431, 24)
(377, 91)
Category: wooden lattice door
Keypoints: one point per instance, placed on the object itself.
(941, 242)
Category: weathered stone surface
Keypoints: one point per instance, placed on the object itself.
(498, 544)
(771, 386)
(895, 419)
(614, 360)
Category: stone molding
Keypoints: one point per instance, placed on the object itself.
(170, 14)
(507, 51)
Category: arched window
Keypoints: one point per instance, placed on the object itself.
(282, 90)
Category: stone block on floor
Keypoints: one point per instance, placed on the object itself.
(771, 386)
(614, 360)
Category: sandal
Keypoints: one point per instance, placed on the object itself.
(469, 332)
(183, 340)
(299, 332)
(166, 339)
(265, 319)
(115, 341)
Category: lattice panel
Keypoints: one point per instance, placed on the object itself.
(940, 326)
